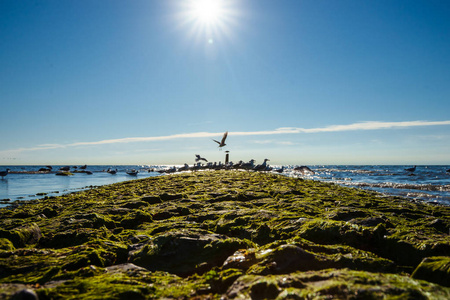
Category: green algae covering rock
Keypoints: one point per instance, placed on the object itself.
(225, 234)
(434, 269)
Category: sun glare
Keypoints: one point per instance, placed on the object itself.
(207, 11)
(209, 21)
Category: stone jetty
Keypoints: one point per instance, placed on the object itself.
(225, 235)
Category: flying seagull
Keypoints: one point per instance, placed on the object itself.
(222, 142)
(198, 158)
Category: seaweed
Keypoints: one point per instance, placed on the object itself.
(225, 234)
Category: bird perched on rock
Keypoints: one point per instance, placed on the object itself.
(262, 167)
(111, 171)
(199, 158)
(248, 166)
(280, 170)
(222, 142)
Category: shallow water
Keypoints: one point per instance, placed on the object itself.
(23, 184)
(427, 183)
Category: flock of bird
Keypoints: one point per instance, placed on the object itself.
(264, 167)
(250, 166)
(241, 165)
(66, 170)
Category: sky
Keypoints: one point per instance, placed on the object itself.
(154, 81)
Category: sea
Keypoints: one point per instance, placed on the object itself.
(427, 183)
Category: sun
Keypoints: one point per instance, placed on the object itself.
(209, 21)
(207, 11)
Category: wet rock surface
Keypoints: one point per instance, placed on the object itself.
(224, 234)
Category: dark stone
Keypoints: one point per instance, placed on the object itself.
(182, 252)
(434, 269)
(264, 290)
(369, 222)
(290, 258)
(152, 199)
(168, 197)
(25, 294)
(135, 204)
(440, 225)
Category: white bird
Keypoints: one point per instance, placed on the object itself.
(198, 158)
(222, 142)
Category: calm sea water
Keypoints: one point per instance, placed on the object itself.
(427, 183)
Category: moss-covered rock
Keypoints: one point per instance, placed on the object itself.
(434, 269)
(225, 234)
(334, 284)
(6, 245)
(186, 252)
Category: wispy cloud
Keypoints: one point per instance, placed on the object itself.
(264, 142)
(368, 125)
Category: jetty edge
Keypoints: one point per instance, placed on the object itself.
(225, 235)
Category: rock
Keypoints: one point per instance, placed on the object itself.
(6, 245)
(152, 199)
(434, 269)
(25, 294)
(180, 252)
(135, 219)
(289, 258)
(440, 225)
(22, 236)
(225, 234)
(135, 204)
(125, 268)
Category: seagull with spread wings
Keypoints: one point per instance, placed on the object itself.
(222, 142)
(198, 158)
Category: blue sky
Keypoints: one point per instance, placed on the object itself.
(295, 81)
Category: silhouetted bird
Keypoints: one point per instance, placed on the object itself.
(199, 158)
(411, 169)
(261, 167)
(249, 165)
(183, 168)
(133, 172)
(222, 142)
(280, 170)
(112, 172)
(4, 173)
(304, 170)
